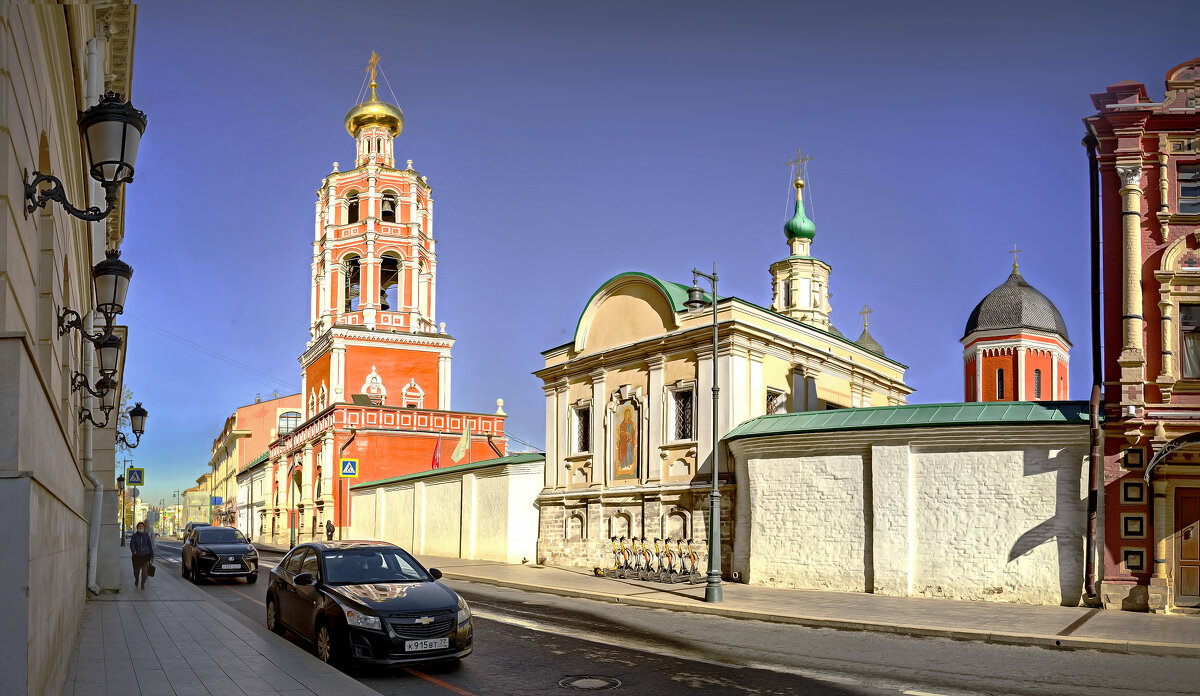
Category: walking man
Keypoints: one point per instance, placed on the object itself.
(142, 548)
(329, 530)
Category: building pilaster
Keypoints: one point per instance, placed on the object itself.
(1132, 358)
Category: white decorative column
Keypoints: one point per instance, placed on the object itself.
(550, 472)
(704, 412)
(600, 472)
(978, 375)
(444, 382)
(1054, 375)
(337, 371)
(1020, 376)
(1131, 356)
(306, 492)
(655, 410)
(758, 390)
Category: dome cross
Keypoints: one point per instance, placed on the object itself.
(1014, 253)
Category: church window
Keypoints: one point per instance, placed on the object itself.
(1037, 384)
(999, 385)
(352, 208)
(388, 212)
(776, 401)
(581, 425)
(787, 294)
(288, 422)
(1189, 188)
(350, 272)
(1189, 339)
(682, 406)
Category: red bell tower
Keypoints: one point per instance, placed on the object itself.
(374, 271)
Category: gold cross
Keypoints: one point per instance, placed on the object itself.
(865, 313)
(801, 158)
(1014, 253)
(372, 63)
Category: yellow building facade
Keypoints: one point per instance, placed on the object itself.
(629, 415)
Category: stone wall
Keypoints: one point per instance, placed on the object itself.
(992, 513)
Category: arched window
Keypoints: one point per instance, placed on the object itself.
(350, 272)
(288, 422)
(352, 207)
(1000, 385)
(1037, 384)
(388, 212)
(389, 283)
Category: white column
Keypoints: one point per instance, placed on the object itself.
(599, 430)
(978, 374)
(1054, 374)
(444, 382)
(758, 390)
(565, 442)
(306, 496)
(656, 413)
(1020, 390)
(703, 422)
(738, 395)
(550, 474)
(337, 371)
(328, 462)
(728, 395)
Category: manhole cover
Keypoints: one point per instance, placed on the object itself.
(589, 683)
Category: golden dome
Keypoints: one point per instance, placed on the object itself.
(374, 111)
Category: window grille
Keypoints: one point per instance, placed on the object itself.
(683, 414)
(583, 430)
(999, 384)
(1189, 339)
(1037, 384)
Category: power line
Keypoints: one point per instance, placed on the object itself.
(216, 354)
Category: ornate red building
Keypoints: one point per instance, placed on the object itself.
(376, 370)
(1146, 190)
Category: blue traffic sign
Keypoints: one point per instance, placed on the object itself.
(350, 468)
(135, 477)
(216, 500)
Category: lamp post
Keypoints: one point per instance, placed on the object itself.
(696, 303)
(121, 488)
(137, 423)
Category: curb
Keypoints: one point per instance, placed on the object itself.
(1050, 642)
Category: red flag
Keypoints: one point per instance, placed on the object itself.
(437, 453)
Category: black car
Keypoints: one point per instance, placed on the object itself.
(367, 601)
(218, 552)
(192, 525)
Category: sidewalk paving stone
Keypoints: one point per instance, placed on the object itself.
(1059, 627)
(173, 639)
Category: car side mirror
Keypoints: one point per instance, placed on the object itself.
(435, 573)
(305, 579)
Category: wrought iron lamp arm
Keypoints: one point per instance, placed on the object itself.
(38, 197)
(80, 381)
(70, 319)
(86, 415)
(129, 445)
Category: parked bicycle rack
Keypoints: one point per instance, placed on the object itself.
(635, 561)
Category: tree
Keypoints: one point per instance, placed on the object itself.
(123, 406)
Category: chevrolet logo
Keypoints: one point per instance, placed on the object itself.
(424, 620)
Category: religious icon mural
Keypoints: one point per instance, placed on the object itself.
(626, 440)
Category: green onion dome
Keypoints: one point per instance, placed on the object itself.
(800, 227)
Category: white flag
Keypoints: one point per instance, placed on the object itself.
(464, 445)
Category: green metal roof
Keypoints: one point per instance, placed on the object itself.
(982, 413)
(522, 458)
(257, 460)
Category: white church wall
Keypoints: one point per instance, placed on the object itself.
(994, 513)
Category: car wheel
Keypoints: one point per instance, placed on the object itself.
(194, 575)
(273, 624)
(183, 570)
(251, 578)
(329, 645)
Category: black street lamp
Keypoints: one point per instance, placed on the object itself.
(110, 278)
(111, 131)
(695, 304)
(137, 423)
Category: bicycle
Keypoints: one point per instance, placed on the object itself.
(694, 575)
(610, 572)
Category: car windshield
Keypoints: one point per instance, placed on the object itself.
(219, 535)
(371, 566)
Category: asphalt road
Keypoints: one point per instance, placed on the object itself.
(531, 643)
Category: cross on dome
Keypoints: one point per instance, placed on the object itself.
(1014, 253)
(865, 313)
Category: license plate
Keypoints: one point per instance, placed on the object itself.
(427, 644)
(228, 566)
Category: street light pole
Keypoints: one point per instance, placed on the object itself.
(712, 589)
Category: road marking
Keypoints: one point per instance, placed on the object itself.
(438, 682)
(920, 693)
(581, 635)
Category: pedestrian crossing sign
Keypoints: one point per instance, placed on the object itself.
(350, 468)
(135, 477)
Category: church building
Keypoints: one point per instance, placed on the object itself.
(376, 370)
(1015, 346)
(629, 416)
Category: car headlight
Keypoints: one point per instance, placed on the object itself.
(357, 618)
(464, 611)
(205, 553)
(252, 553)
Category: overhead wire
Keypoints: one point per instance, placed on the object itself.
(214, 353)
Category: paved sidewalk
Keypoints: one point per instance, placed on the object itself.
(1079, 628)
(173, 638)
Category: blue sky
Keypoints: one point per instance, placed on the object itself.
(569, 141)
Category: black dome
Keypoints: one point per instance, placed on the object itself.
(1016, 305)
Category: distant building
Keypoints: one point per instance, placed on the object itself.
(253, 484)
(196, 507)
(1147, 159)
(629, 417)
(376, 371)
(245, 437)
(1015, 346)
